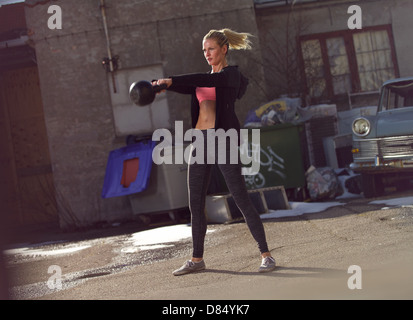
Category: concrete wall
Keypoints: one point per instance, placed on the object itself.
(76, 89)
(402, 22)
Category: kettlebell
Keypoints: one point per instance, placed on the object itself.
(143, 93)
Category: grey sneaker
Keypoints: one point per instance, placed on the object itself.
(189, 267)
(267, 264)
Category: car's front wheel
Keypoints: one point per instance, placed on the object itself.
(372, 184)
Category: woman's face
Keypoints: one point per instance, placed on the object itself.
(214, 54)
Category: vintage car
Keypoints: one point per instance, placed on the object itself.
(383, 143)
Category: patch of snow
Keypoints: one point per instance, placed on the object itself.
(300, 208)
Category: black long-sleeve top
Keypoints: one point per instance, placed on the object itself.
(230, 85)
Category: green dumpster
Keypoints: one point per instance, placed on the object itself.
(282, 158)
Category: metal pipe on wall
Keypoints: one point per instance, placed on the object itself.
(105, 27)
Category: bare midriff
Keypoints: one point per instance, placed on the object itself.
(207, 112)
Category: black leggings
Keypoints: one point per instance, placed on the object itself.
(198, 180)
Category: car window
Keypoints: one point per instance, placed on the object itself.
(397, 95)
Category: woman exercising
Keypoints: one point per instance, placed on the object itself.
(212, 107)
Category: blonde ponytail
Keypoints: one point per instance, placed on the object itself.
(234, 40)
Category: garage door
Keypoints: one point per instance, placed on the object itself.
(26, 179)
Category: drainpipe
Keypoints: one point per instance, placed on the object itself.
(105, 27)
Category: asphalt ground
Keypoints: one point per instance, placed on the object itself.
(314, 253)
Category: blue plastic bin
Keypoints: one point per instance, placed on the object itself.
(128, 169)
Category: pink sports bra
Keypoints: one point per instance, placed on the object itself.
(205, 93)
